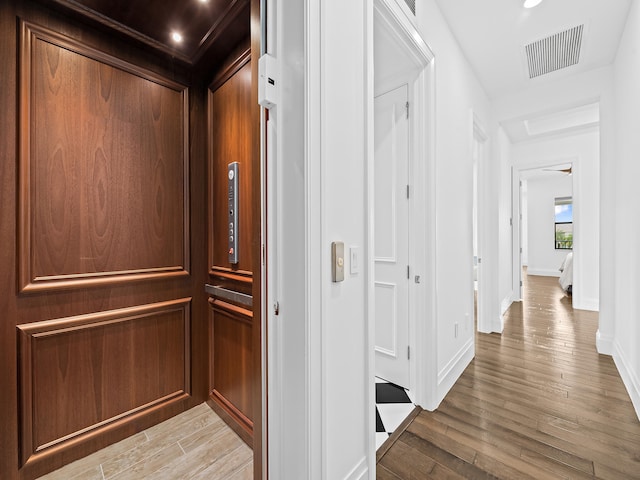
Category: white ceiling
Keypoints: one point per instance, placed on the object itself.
(492, 34)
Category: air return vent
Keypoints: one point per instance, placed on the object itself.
(555, 52)
(412, 5)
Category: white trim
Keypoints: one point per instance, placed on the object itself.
(369, 253)
(360, 471)
(422, 297)
(543, 272)
(592, 304)
(629, 377)
(506, 303)
(604, 343)
(448, 376)
(479, 133)
(296, 427)
(316, 397)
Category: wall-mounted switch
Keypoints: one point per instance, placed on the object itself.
(354, 260)
(337, 261)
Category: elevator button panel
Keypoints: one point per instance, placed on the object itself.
(233, 193)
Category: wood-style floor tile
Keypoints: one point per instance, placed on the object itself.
(194, 444)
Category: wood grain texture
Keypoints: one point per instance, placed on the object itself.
(235, 336)
(41, 305)
(104, 167)
(537, 402)
(194, 444)
(99, 368)
(8, 176)
(230, 141)
(232, 364)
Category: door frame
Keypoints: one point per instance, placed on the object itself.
(479, 134)
(516, 172)
(422, 296)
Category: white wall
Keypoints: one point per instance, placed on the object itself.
(583, 150)
(624, 208)
(323, 327)
(459, 96)
(594, 85)
(543, 257)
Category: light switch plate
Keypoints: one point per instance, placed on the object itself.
(354, 260)
(337, 261)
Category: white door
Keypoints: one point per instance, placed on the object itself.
(391, 218)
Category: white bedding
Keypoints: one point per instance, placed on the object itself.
(566, 278)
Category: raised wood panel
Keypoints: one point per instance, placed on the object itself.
(230, 109)
(232, 364)
(83, 373)
(104, 167)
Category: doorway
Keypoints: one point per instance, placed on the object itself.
(546, 198)
(402, 205)
(391, 218)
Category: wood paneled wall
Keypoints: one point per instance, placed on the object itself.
(80, 373)
(104, 167)
(233, 387)
(104, 320)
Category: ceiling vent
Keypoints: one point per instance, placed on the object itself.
(555, 52)
(412, 5)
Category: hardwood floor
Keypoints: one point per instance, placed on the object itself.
(537, 402)
(193, 445)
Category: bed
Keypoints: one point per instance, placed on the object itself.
(566, 276)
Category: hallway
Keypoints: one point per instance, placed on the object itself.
(536, 402)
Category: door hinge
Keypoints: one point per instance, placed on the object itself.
(407, 191)
(520, 282)
(520, 249)
(408, 271)
(407, 109)
(276, 308)
(511, 221)
(408, 352)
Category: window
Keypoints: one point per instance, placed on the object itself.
(564, 223)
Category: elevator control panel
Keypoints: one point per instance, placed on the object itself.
(233, 192)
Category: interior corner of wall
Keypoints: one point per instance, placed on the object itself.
(630, 377)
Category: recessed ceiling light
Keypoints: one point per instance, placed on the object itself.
(176, 37)
(531, 3)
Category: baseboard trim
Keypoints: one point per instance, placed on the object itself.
(629, 377)
(506, 303)
(360, 471)
(543, 272)
(604, 344)
(448, 376)
(591, 304)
